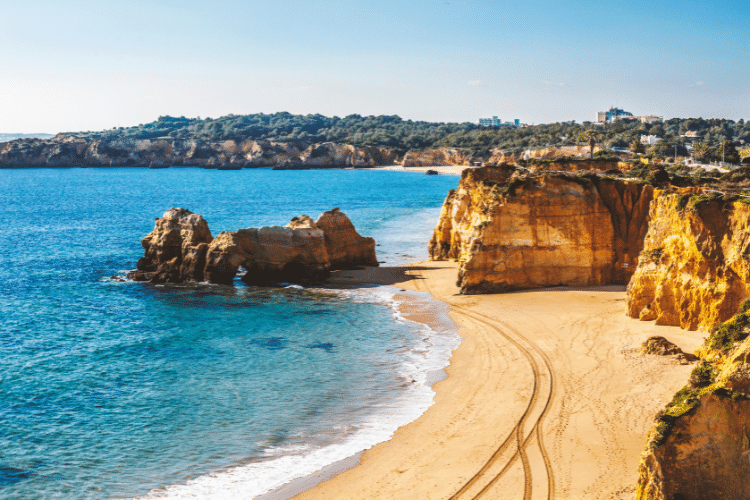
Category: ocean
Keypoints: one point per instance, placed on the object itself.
(112, 389)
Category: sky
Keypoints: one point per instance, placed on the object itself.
(82, 65)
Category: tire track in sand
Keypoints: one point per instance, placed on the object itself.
(541, 367)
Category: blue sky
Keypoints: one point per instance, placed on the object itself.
(84, 65)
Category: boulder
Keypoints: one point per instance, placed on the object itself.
(659, 346)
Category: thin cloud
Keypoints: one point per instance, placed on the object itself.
(696, 84)
(476, 83)
(561, 84)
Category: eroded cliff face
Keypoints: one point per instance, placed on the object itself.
(706, 456)
(181, 249)
(694, 269)
(70, 151)
(432, 157)
(699, 448)
(512, 229)
(175, 250)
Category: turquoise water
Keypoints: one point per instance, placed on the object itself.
(115, 389)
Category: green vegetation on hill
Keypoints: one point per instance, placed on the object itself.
(400, 135)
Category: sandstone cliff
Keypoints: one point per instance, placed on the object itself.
(511, 229)
(694, 269)
(72, 151)
(181, 249)
(433, 157)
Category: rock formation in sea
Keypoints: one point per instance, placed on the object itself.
(175, 251)
(181, 249)
(511, 229)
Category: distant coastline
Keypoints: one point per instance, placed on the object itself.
(6, 137)
(288, 141)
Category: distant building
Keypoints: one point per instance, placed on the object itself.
(649, 140)
(650, 118)
(690, 135)
(613, 115)
(497, 122)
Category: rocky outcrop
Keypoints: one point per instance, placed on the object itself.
(511, 229)
(181, 249)
(331, 154)
(433, 157)
(344, 245)
(73, 151)
(694, 269)
(268, 254)
(706, 456)
(175, 249)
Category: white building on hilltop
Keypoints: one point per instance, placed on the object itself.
(497, 122)
(649, 140)
(616, 114)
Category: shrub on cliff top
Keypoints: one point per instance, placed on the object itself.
(702, 375)
(725, 335)
(685, 400)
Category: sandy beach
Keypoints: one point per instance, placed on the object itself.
(440, 169)
(546, 397)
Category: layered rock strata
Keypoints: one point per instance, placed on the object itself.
(694, 269)
(181, 249)
(511, 229)
(432, 157)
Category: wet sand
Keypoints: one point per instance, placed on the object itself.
(546, 397)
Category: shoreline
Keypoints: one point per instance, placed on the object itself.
(532, 368)
(410, 305)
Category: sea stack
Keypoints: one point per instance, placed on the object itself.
(181, 249)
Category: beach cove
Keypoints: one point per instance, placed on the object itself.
(555, 370)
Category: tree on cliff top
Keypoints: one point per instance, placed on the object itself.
(727, 152)
(590, 136)
(636, 146)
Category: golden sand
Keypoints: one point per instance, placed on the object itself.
(546, 397)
